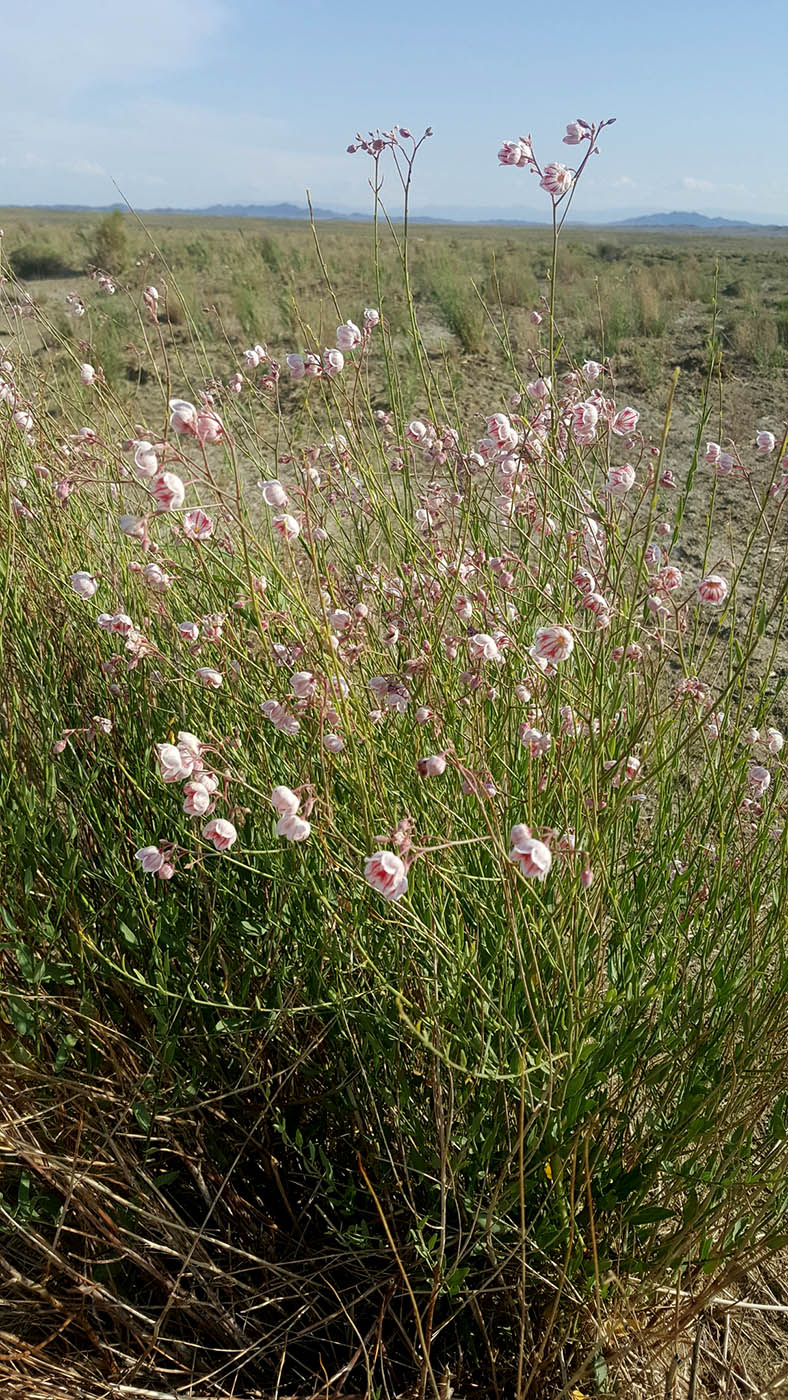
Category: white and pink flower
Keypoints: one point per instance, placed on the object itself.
(530, 856)
(293, 827)
(552, 644)
(197, 525)
(83, 583)
(556, 179)
(168, 491)
(625, 422)
(287, 526)
(712, 590)
(183, 416)
(211, 679)
(221, 833)
(387, 874)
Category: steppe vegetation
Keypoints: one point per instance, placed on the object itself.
(393, 806)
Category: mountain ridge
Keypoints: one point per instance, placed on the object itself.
(676, 219)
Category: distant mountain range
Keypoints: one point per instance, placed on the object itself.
(677, 219)
(680, 219)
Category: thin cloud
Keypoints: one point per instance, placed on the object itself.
(81, 167)
(696, 186)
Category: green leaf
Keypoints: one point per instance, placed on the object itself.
(143, 1117)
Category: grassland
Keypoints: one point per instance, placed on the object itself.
(643, 298)
(269, 1127)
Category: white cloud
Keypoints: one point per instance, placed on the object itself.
(690, 182)
(81, 167)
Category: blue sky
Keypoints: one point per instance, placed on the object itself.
(194, 102)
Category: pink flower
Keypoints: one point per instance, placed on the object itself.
(759, 778)
(515, 153)
(84, 583)
(348, 337)
(620, 479)
(670, 578)
(284, 801)
(371, 318)
(765, 442)
(433, 766)
(483, 647)
(312, 367)
(211, 679)
(209, 426)
(596, 603)
(87, 374)
(415, 431)
(156, 578)
(333, 743)
(575, 133)
(625, 422)
(584, 418)
(501, 431)
(150, 858)
(340, 619)
(172, 767)
(296, 366)
(535, 741)
(539, 388)
(303, 684)
(592, 369)
(145, 459)
(168, 491)
(197, 525)
(552, 644)
(189, 748)
(189, 631)
(584, 580)
(274, 494)
(712, 589)
(386, 873)
(196, 798)
(556, 179)
(287, 526)
(713, 451)
(221, 832)
(279, 717)
(774, 740)
(533, 857)
(292, 826)
(183, 416)
(133, 526)
(333, 362)
(535, 318)
(725, 464)
(166, 871)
